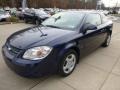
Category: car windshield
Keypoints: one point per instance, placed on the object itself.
(40, 12)
(29, 11)
(65, 20)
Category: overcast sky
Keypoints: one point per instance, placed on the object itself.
(111, 3)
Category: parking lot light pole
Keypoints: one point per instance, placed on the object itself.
(85, 1)
(24, 4)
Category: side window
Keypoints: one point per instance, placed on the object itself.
(94, 19)
(104, 18)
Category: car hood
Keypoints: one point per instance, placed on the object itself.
(28, 37)
(4, 15)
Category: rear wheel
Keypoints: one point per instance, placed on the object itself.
(68, 63)
(107, 41)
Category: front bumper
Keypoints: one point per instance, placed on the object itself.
(30, 68)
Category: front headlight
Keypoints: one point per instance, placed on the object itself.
(37, 53)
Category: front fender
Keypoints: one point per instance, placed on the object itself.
(65, 49)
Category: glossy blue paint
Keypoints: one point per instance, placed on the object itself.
(60, 39)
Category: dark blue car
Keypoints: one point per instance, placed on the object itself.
(57, 44)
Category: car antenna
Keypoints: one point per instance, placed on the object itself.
(38, 27)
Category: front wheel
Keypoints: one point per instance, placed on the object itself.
(107, 41)
(68, 63)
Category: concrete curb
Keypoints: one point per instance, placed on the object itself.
(3, 23)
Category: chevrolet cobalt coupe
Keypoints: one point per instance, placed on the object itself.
(57, 45)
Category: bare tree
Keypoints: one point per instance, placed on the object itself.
(90, 4)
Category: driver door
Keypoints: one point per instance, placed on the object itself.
(92, 38)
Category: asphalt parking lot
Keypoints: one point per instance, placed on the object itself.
(98, 71)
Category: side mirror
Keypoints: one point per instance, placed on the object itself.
(87, 27)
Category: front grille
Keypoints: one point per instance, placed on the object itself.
(13, 49)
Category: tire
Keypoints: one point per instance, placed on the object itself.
(67, 66)
(107, 40)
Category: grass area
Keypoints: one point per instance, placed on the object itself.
(13, 19)
(117, 15)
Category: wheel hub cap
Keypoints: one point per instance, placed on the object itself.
(69, 63)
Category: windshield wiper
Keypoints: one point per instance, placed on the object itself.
(53, 26)
(39, 28)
